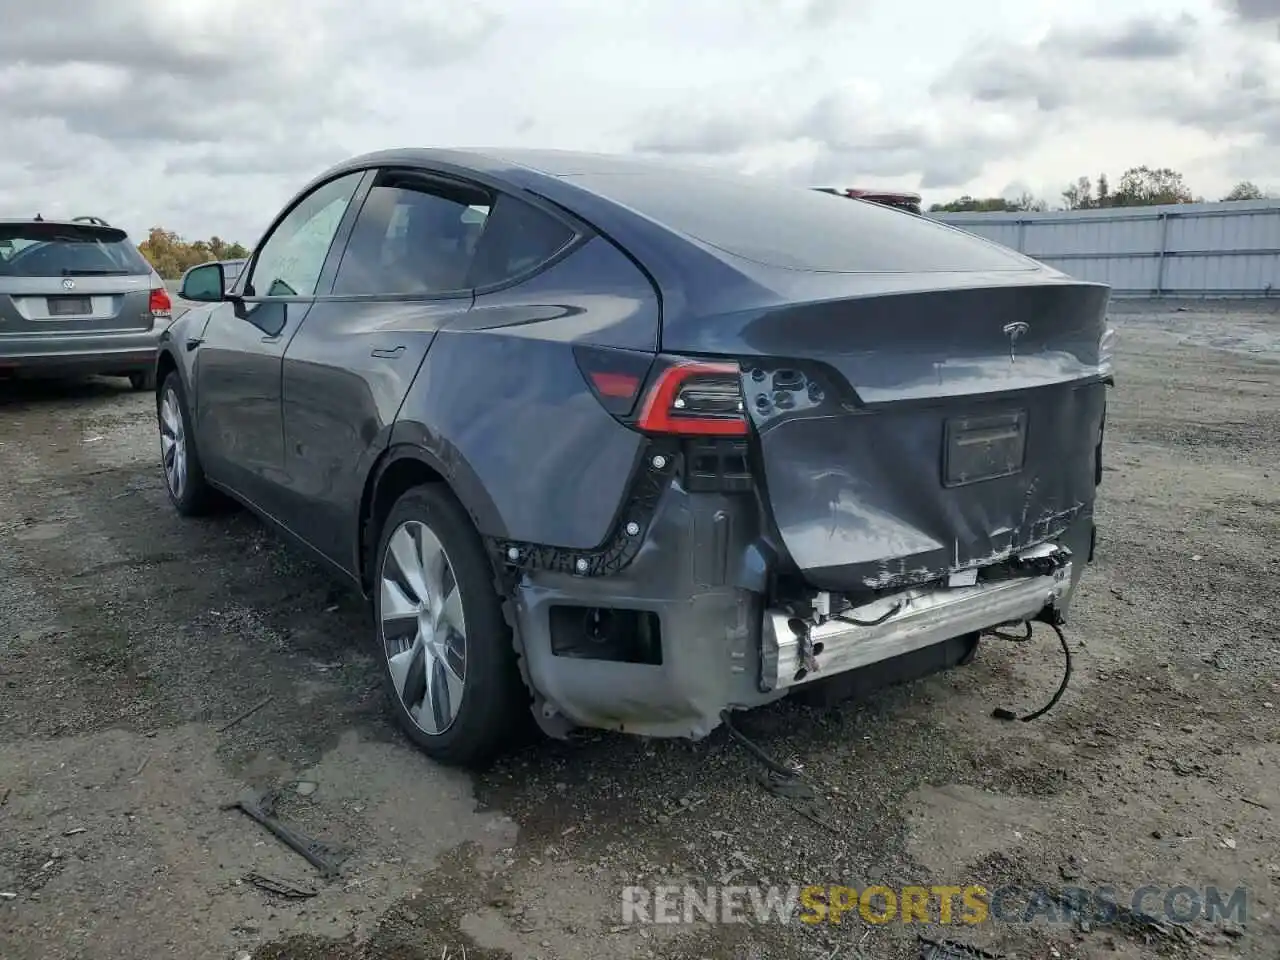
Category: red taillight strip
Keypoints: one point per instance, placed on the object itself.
(658, 416)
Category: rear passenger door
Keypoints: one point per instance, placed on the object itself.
(402, 275)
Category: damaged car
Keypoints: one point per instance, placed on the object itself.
(629, 445)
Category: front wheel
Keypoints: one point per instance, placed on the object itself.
(446, 651)
(184, 477)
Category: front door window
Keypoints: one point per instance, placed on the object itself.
(291, 259)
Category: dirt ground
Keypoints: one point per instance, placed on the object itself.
(132, 643)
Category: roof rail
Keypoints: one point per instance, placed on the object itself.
(96, 221)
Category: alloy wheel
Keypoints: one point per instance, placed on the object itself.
(423, 629)
(173, 443)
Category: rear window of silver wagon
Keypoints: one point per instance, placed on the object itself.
(67, 250)
(798, 228)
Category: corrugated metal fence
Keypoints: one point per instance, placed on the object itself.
(1180, 250)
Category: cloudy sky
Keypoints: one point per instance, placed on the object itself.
(204, 115)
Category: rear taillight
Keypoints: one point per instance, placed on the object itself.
(695, 398)
(615, 376)
(161, 305)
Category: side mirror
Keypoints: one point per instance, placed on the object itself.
(204, 284)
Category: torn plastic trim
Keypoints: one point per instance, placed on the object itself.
(702, 465)
(795, 651)
(659, 462)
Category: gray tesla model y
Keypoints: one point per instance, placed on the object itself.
(628, 445)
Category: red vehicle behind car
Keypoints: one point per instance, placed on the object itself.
(899, 200)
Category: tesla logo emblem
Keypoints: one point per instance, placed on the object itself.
(1013, 331)
(68, 284)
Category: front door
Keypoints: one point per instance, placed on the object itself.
(238, 368)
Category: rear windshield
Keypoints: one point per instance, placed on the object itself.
(67, 250)
(796, 227)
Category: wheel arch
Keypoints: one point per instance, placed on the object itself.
(400, 468)
(166, 364)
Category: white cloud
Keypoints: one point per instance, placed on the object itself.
(205, 115)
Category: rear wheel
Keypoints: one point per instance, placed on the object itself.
(446, 651)
(143, 380)
(183, 475)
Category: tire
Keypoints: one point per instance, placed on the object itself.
(142, 380)
(184, 478)
(472, 708)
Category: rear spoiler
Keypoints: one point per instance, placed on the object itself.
(83, 228)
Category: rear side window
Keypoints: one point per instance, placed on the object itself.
(413, 236)
(516, 239)
(67, 250)
(795, 227)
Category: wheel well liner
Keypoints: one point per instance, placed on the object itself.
(165, 365)
(397, 471)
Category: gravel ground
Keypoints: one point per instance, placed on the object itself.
(132, 644)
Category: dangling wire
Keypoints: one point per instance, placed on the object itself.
(1000, 713)
(782, 781)
(868, 623)
(1001, 635)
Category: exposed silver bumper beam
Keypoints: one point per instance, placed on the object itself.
(796, 651)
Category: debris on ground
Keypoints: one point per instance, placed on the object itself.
(246, 714)
(282, 888)
(324, 857)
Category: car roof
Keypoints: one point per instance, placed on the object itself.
(705, 230)
(663, 211)
(550, 163)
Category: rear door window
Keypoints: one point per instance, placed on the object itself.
(46, 249)
(415, 236)
(518, 239)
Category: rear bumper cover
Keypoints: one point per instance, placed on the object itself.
(704, 569)
(85, 353)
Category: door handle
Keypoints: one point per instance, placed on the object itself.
(193, 342)
(388, 353)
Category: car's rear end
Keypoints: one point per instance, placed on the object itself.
(887, 435)
(925, 459)
(77, 298)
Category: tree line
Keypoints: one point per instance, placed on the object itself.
(1137, 187)
(172, 256)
